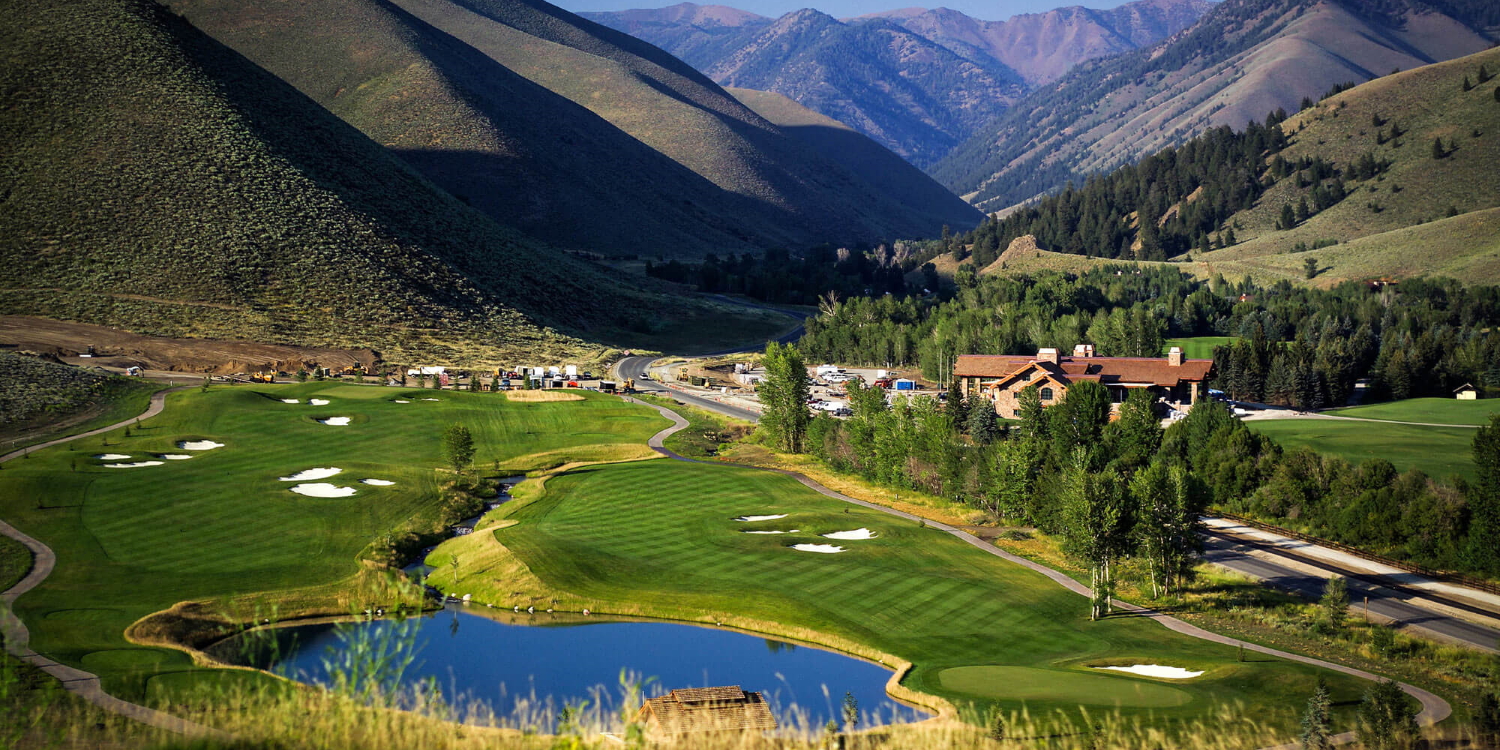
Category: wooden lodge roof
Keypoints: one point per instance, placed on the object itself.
(1107, 370)
(713, 709)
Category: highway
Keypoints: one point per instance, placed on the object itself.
(1388, 598)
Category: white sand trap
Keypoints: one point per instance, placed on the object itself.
(112, 456)
(135, 465)
(789, 531)
(748, 519)
(377, 482)
(290, 401)
(335, 421)
(174, 456)
(826, 549)
(318, 401)
(400, 401)
(1156, 670)
(198, 445)
(323, 489)
(306, 474)
(432, 399)
(859, 533)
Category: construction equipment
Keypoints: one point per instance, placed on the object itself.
(263, 377)
(629, 385)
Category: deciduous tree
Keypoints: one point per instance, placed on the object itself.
(458, 447)
(783, 397)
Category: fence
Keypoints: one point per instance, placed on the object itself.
(1437, 575)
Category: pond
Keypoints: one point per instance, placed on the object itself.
(559, 658)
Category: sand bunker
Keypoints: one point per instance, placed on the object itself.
(198, 445)
(859, 533)
(323, 489)
(1156, 670)
(290, 401)
(318, 401)
(535, 396)
(377, 482)
(432, 399)
(137, 464)
(112, 456)
(827, 549)
(335, 421)
(400, 401)
(761, 518)
(306, 474)
(174, 456)
(788, 531)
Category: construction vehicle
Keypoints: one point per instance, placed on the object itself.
(629, 385)
(263, 377)
(607, 386)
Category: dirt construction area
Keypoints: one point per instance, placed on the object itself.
(116, 348)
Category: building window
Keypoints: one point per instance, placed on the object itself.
(1046, 394)
(1016, 413)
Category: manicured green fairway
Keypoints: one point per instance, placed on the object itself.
(1199, 347)
(133, 541)
(1441, 452)
(980, 630)
(15, 561)
(1430, 410)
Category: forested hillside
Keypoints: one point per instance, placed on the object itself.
(1245, 58)
(918, 82)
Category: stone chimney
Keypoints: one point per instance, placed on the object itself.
(1083, 351)
(1174, 356)
(1047, 354)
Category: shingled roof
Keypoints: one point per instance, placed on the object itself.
(1107, 370)
(713, 709)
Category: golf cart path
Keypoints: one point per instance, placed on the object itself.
(1434, 708)
(1273, 413)
(17, 638)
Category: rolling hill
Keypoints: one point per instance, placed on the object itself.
(159, 182)
(572, 132)
(918, 82)
(1245, 58)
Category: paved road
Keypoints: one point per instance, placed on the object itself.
(636, 368)
(1388, 598)
(1434, 708)
(18, 638)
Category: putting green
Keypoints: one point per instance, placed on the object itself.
(1033, 684)
(658, 537)
(131, 542)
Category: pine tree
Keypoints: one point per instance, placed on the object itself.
(1484, 73)
(1229, 238)
(1467, 86)
(1317, 733)
(1438, 151)
(955, 406)
(1335, 602)
(1302, 212)
(1310, 267)
(1288, 217)
(984, 428)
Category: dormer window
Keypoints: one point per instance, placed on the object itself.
(1026, 376)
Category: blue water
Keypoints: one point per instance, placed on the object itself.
(496, 662)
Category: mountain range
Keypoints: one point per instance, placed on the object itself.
(1242, 60)
(919, 82)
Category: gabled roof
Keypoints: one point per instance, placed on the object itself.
(1132, 370)
(714, 709)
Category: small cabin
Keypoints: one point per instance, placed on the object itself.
(699, 710)
(1466, 392)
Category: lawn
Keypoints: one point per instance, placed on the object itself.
(1431, 410)
(1441, 452)
(658, 537)
(133, 541)
(15, 562)
(1199, 347)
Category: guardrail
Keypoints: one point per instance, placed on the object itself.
(1437, 575)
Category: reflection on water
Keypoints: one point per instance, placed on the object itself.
(550, 659)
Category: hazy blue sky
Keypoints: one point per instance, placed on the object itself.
(990, 10)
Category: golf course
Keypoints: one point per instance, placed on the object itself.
(661, 538)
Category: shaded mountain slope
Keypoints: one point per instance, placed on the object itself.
(918, 82)
(860, 155)
(1244, 59)
(159, 182)
(580, 134)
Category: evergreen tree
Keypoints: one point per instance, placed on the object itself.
(1497, 93)
(783, 397)
(1386, 720)
(984, 428)
(1288, 216)
(1310, 267)
(1484, 499)
(1438, 151)
(1484, 73)
(1335, 602)
(1302, 212)
(1468, 86)
(1317, 720)
(1229, 238)
(955, 406)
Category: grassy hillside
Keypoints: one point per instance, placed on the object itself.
(1245, 58)
(44, 399)
(618, 147)
(1440, 452)
(134, 541)
(1396, 223)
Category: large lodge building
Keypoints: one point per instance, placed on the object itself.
(1175, 381)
